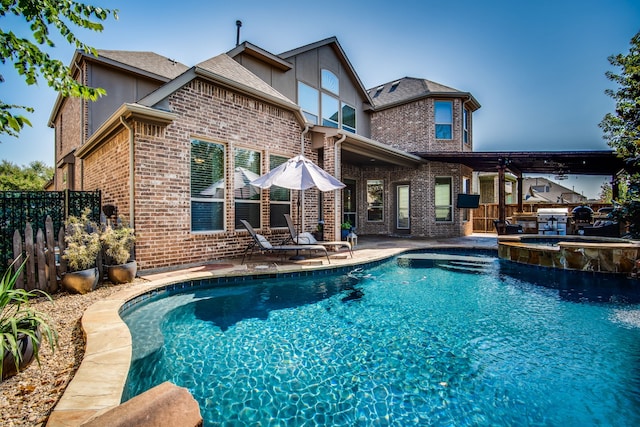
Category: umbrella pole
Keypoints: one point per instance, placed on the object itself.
(297, 256)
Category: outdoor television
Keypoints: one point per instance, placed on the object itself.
(468, 201)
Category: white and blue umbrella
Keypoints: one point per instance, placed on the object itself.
(299, 173)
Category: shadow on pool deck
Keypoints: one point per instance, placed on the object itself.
(108, 342)
(369, 248)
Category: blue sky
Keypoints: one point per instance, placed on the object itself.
(536, 67)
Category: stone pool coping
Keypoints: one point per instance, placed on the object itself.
(582, 253)
(99, 381)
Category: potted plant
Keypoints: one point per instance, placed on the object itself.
(345, 229)
(319, 233)
(82, 247)
(117, 242)
(21, 327)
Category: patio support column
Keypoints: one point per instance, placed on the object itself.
(615, 188)
(331, 208)
(501, 193)
(520, 192)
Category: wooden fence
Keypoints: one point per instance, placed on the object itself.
(484, 215)
(43, 264)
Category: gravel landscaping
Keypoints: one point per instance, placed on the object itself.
(28, 398)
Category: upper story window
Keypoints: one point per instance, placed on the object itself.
(330, 82)
(207, 186)
(465, 125)
(540, 188)
(444, 119)
(322, 107)
(330, 112)
(308, 101)
(348, 118)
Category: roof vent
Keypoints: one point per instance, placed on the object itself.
(238, 25)
(394, 86)
(378, 90)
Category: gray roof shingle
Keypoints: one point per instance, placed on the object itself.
(223, 65)
(408, 88)
(146, 61)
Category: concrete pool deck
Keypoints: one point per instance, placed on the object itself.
(99, 382)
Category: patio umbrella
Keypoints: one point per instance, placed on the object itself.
(299, 173)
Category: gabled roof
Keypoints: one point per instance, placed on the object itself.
(148, 62)
(227, 72)
(556, 192)
(261, 54)
(409, 89)
(333, 43)
(223, 66)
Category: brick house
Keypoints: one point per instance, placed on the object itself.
(173, 148)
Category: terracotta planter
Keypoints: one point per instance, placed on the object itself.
(26, 349)
(123, 273)
(81, 282)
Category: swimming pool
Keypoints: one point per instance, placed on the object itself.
(469, 341)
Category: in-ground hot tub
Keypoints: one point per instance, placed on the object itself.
(597, 254)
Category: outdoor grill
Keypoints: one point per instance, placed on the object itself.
(552, 221)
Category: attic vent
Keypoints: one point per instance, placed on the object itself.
(394, 86)
(378, 90)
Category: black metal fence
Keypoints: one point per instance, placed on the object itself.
(19, 207)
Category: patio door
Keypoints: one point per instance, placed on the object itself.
(349, 205)
(403, 222)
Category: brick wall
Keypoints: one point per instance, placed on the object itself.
(107, 169)
(162, 171)
(410, 127)
(422, 205)
(68, 137)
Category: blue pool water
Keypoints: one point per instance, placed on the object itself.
(409, 342)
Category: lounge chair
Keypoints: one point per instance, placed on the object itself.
(506, 227)
(260, 242)
(308, 239)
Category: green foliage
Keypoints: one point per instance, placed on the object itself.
(117, 243)
(18, 319)
(28, 178)
(622, 130)
(83, 242)
(346, 225)
(32, 62)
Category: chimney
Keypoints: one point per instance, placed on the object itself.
(238, 25)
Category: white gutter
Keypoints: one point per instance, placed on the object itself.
(336, 164)
(132, 179)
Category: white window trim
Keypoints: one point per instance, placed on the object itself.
(449, 206)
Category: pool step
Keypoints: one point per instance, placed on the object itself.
(460, 263)
(465, 268)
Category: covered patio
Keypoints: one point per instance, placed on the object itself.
(603, 163)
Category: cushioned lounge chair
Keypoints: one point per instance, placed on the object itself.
(261, 243)
(308, 239)
(506, 227)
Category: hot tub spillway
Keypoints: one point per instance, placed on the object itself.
(459, 263)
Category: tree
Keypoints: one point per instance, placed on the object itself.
(622, 130)
(32, 62)
(30, 178)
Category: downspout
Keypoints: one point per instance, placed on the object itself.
(132, 180)
(336, 162)
(304, 132)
